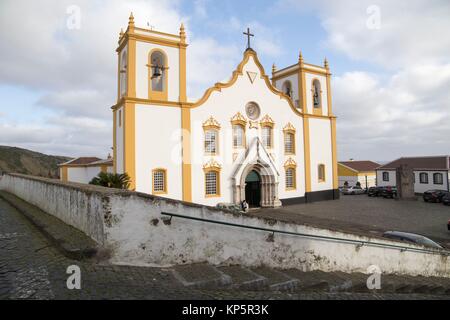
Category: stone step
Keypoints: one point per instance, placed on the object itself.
(243, 278)
(201, 276)
(296, 281)
(317, 281)
(277, 280)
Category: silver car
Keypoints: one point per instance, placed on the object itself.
(353, 190)
(412, 238)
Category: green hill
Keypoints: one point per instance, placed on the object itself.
(24, 161)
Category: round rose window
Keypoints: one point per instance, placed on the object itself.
(252, 110)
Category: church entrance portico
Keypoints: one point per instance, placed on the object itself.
(253, 189)
(256, 178)
(258, 187)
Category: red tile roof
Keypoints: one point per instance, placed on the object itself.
(81, 161)
(361, 166)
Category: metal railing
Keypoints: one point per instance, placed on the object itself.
(358, 243)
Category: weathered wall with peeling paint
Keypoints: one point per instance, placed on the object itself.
(131, 225)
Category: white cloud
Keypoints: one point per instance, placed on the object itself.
(76, 68)
(404, 115)
(410, 32)
(404, 110)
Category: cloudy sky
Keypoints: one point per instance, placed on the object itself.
(390, 62)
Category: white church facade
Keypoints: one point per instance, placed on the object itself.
(271, 141)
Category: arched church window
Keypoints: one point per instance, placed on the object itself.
(321, 173)
(287, 88)
(289, 143)
(289, 139)
(211, 141)
(238, 136)
(317, 93)
(123, 74)
(158, 71)
(266, 135)
(290, 178)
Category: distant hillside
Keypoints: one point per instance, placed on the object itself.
(19, 160)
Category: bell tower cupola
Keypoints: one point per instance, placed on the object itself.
(152, 64)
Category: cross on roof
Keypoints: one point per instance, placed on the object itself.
(248, 34)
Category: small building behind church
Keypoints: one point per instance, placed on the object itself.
(352, 172)
(430, 173)
(84, 169)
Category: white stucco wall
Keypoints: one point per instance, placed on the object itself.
(392, 178)
(418, 187)
(158, 145)
(422, 187)
(76, 174)
(131, 226)
(321, 153)
(223, 106)
(72, 203)
(352, 180)
(294, 81)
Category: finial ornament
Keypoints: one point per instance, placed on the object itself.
(274, 68)
(182, 33)
(121, 33)
(325, 63)
(300, 57)
(131, 19)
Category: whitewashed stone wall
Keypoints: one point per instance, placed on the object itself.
(131, 225)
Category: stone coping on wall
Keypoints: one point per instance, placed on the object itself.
(270, 221)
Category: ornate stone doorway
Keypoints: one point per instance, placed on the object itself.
(253, 189)
(266, 187)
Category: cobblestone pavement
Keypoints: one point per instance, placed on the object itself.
(360, 214)
(30, 268)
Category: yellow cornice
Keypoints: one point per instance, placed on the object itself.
(212, 165)
(289, 128)
(239, 119)
(150, 102)
(146, 38)
(158, 32)
(211, 123)
(290, 163)
(267, 121)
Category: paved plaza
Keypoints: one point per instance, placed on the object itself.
(370, 216)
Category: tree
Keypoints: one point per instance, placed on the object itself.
(112, 180)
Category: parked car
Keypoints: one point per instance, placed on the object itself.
(446, 199)
(434, 195)
(353, 190)
(375, 191)
(412, 238)
(389, 192)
